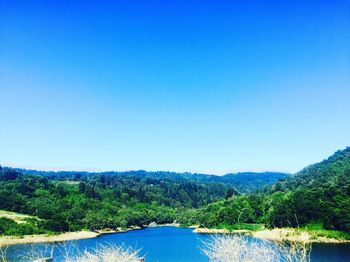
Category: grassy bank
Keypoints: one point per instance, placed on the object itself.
(16, 224)
(314, 232)
(317, 230)
(241, 226)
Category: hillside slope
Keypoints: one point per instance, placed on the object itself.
(327, 172)
(319, 193)
(100, 201)
(249, 182)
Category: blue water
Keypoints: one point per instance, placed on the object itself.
(170, 244)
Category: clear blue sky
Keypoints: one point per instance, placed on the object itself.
(199, 86)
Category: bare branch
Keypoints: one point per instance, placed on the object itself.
(238, 248)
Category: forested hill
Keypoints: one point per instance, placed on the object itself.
(64, 201)
(248, 182)
(319, 193)
(331, 171)
(69, 201)
(98, 202)
(244, 182)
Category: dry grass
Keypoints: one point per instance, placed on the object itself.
(71, 253)
(235, 248)
(18, 218)
(30, 239)
(108, 253)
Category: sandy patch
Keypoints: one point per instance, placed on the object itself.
(219, 231)
(9, 240)
(277, 234)
(18, 218)
(290, 234)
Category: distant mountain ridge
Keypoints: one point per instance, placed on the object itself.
(244, 182)
(252, 181)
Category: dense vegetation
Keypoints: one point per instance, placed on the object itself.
(316, 197)
(30, 227)
(318, 194)
(244, 182)
(250, 182)
(102, 201)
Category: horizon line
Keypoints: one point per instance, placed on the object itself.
(96, 170)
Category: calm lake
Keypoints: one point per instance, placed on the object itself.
(170, 244)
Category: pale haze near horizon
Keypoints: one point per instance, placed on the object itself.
(197, 87)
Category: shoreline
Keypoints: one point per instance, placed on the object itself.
(67, 236)
(276, 234)
(33, 239)
(201, 230)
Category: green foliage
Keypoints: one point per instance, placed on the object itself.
(11, 228)
(241, 226)
(320, 193)
(73, 201)
(250, 182)
(318, 230)
(243, 182)
(187, 217)
(236, 210)
(99, 202)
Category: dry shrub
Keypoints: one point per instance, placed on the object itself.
(3, 251)
(108, 253)
(70, 252)
(238, 248)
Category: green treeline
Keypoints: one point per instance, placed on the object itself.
(319, 194)
(101, 201)
(243, 182)
(12, 228)
(70, 201)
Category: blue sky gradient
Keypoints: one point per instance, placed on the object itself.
(199, 86)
